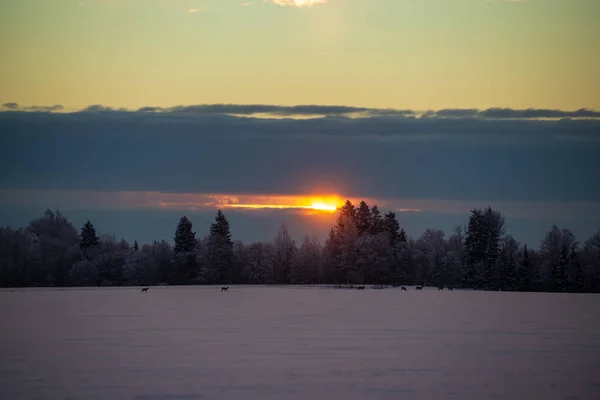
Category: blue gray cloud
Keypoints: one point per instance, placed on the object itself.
(321, 110)
(205, 149)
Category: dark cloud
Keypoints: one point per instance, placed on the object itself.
(385, 156)
(17, 107)
(534, 113)
(11, 106)
(325, 111)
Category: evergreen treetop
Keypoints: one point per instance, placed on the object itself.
(363, 219)
(220, 228)
(376, 221)
(185, 238)
(346, 216)
(392, 227)
(89, 239)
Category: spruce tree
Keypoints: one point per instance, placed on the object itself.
(89, 240)
(561, 271)
(391, 226)
(346, 215)
(185, 238)
(136, 246)
(507, 268)
(184, 265)
(402, 238)
(363, 219)
(474, 249)
(219, 251)
(376, 221)
(494, 228)
(220, 228)
(576, 276)
(524, 271)
(551, 249)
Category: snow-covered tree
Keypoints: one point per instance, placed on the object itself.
(591, 263)
(55, 247)
(482, 248)
(284, 254)
(375, 260)
(524, 271)
(407, 271)
(15, 259)
(84, 273)
(435, 270)
(306, 268)
(575, 275)
(506, 273)
(555, 254)
(455, 246)
(257, 263)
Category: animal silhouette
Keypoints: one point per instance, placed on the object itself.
(419, 288)
(440, 288)
(402, 288)
(145, 289)
(224, 288)
(361, 287)
(450, 288)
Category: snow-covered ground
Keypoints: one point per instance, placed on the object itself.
(297, 343)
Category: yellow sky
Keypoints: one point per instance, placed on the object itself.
(413, 54)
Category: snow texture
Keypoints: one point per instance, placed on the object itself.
(258, 342)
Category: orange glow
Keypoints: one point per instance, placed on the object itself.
(329, 204)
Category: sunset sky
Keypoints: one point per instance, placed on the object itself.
(135, 112)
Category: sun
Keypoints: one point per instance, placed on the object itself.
(317, 205)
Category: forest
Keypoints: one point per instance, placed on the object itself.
(364, 247)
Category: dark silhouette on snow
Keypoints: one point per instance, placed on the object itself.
(402, 288)
(361, 287)
(224, 288)
(145, 289)
(419, 288)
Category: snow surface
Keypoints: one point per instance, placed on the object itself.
(258, 342)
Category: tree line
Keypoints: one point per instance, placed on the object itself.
(363, 247)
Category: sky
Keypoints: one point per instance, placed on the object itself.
(132, 113)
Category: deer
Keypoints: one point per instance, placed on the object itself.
(402, 288)
(419, 288)
(224, 288)
(361, 287)
(145, 289)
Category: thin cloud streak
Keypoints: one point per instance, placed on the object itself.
(249, 203)
(320, 111)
